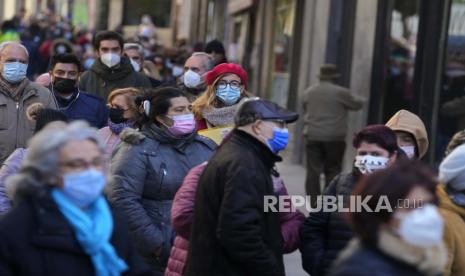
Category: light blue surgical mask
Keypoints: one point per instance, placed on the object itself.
(83, 188)
(14, 72)
(279, 140)
(228, 95)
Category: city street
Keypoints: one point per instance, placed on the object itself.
(294, 177)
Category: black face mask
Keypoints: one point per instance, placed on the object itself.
(116, 115)
(64, 85)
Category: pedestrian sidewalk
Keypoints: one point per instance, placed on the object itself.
(294, 178)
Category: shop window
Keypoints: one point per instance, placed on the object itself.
(282, 50)
(452, 98)
(159, 10)
(398, 90)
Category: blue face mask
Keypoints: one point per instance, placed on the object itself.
(14, 72)
(279, 140)
(228, 95)
(83, 188)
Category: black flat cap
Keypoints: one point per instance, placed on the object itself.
(257, 108)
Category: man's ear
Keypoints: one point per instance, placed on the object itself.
(257, 126)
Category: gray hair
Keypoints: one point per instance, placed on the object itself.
(5, 44)
(210, 62)
(134, 46)
(41, 166)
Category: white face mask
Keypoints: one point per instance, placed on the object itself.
(369, 163)
(410, 151)
(191, 79)
(177, 71)
(135, 65)
(110, 59)
(421, 227)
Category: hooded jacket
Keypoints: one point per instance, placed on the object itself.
(454, 227)
(406, 121)
(101, 80)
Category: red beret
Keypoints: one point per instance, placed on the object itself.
(224, 68)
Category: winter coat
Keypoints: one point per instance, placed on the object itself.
(231, 234)
(110, 140)
(148, 168)
(38, 240)
(101, 80)
(406, 121)
(326, 107)
(390, 256)
(454, 229)
(84, 106)
(183, 210)
(325, 234)
(9, 167)
(15, 127)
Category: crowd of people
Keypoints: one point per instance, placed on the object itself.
(119, 160)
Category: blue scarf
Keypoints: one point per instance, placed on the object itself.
(117, 128)
(93, 228)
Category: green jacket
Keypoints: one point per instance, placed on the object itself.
(15, 127)
(100, 80)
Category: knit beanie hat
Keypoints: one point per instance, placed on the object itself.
(43, 116)
(452, 169)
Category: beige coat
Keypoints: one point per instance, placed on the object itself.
(326, 107)
(454, 233)
(15, 128)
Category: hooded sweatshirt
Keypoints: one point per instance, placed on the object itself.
(408, 122)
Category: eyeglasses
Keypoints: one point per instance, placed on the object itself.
(80, 164)
(233, 84)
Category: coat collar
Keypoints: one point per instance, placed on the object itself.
(429, 260)
(262, 151)
(53, 230)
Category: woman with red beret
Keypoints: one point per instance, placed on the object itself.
(227, 84)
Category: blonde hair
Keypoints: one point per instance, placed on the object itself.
(130, 94)
(208, 98)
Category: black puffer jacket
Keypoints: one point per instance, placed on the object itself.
(325, 234)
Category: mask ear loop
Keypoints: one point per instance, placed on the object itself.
(146, 107)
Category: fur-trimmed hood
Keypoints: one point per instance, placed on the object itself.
(132, 136)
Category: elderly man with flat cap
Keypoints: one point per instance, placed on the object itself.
(16, 94)
(231, 232)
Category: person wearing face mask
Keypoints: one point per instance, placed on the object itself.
(122, 114)
(111, 70)
(149, 165)
(226, 90)
(231, 234)
(451, 193)
(60, 211)
(76, 104)
(135, 53)
(411, 133)
(404, 241)
(16, 94)
(325, 234)
(195, 68)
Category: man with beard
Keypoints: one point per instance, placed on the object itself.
(76, 104)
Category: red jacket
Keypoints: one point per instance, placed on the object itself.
(183, 210)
